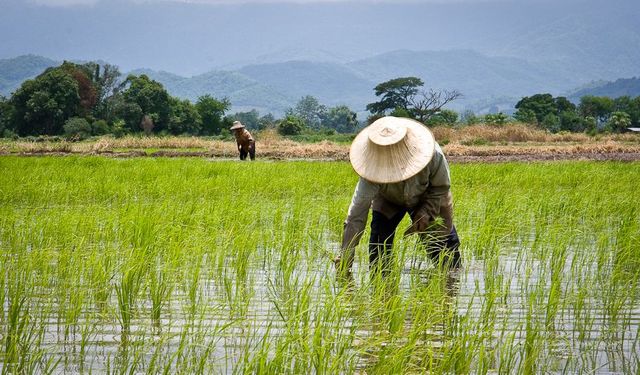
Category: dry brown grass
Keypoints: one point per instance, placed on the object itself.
(473, 141)
(518, 133)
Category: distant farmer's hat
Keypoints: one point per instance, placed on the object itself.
(392, 149)
(236, 125)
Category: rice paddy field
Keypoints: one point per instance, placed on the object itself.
(193, 265)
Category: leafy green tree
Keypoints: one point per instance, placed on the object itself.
(618, 121)
(131, 114)
(211, 112)
(571, 121)
(6, 116)
(598, 107)
(395, 93)
(540, 105)
(629, 105)
(108, 85)
(634, 112)
(310, 111)
(266, 121)
(401, 97)
(551, 122)
(151, 98)
(43, 104)
(563, 105)
(290, 125)
(341, 119)
(185, 118)
(526, 115)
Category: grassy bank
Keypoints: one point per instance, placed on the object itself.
(188, 265)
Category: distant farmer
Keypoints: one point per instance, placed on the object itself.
(402, 171)
(244, 140)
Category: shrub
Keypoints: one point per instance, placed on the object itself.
(100, 127)
(76, 128)
(496, 118)
(290, 125)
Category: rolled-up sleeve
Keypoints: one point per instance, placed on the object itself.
(356, 220)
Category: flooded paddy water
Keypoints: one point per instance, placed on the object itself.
(183, 266)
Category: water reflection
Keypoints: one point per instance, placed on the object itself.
(504, 310)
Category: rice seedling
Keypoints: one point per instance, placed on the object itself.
(165, 265)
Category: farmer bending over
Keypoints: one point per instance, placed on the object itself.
(244, 140)
(402, 171)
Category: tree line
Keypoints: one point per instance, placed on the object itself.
(81, 100)
(404, 97)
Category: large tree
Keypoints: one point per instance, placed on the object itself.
(540, 105)
(341, 119)
(42, 105)
(394, 94)
(152, 100)
(211, 112)
(185, 118)
(402, 97)
(108, 85)
(6, 114)
(630, 106)
(598, 107)
(310, 111)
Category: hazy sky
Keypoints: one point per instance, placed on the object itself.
(92, 2)
(194, 36)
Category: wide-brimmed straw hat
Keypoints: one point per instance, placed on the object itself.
(392, 149)
(236, 125)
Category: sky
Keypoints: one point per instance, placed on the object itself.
(214, 2)
(190, 37)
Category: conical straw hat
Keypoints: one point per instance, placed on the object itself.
(392, 149)
(236, 125)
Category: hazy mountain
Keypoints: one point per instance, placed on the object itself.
(15, 70)
(331, 83)
(621, 87)
(589, 42)
(244, 92)
(481, 79)
(487, 83)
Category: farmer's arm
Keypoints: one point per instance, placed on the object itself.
(357, 217)
(437, 196)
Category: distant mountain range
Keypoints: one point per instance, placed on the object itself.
(14, 71)
(487, 83)
(621, 87)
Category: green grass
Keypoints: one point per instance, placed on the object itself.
(195, 266)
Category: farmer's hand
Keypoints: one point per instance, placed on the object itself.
(419, 225)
